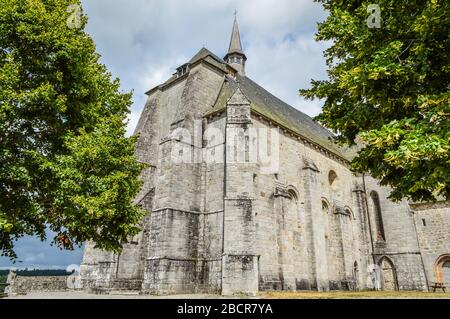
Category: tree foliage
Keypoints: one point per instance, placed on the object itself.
(65, 162)
(390, 86)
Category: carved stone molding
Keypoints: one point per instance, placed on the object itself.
(309, 164)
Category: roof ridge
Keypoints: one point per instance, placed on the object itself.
(288, 105)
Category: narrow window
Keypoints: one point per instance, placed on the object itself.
(324, 207)
(349, 213)
(355, 270)
(378, 217)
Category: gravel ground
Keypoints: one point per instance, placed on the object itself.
(84, 295)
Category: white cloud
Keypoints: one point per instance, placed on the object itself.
(33, 258)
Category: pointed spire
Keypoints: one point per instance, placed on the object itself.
(236, 56)
(235, 42)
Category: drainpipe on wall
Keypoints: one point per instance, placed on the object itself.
(224, 193)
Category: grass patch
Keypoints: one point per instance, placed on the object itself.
(353, 295)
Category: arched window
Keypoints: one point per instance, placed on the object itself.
(327, 227)
(292, 195)
(332, 177)
(389, 274)
(378, 216)
(349, 213)
(442, 268)
(324, 207)
(293, 205)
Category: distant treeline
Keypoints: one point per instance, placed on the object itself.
(2, 281)
(37, 272)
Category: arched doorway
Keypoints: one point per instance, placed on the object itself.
(446, 271)
(388, 275)
(443, 269)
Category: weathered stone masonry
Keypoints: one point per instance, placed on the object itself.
(227, 226)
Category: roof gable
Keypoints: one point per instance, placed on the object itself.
(202, 54)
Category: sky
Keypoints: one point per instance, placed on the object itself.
(142, 42)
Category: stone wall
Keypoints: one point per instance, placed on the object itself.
(310, 231)
(401, 244)
(185, 236)
(433, 230)
(27, 284)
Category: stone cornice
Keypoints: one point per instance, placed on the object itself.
(426, 206)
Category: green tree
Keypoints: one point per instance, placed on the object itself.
(65, 163)
(390, 86)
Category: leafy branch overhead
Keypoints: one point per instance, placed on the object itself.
(65, 161)
(390, 87)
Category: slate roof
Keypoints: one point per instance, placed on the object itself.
(268, 105)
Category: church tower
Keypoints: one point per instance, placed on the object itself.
(236, 56)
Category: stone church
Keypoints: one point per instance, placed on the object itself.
(220, 225)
